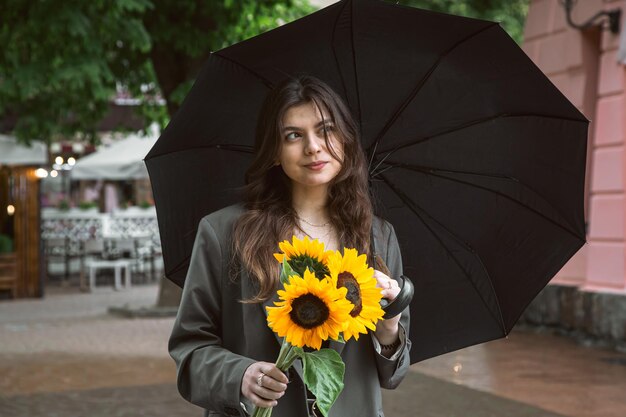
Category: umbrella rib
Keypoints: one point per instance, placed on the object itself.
(221, 146)
(419, 85)
(476, 122)
(356, 75)
(265, 81)
(432, 172)
(178, 267)
(343, 82)
(415, 208)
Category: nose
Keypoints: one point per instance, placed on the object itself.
(313, 144)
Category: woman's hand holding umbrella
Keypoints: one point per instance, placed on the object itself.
(387, 330)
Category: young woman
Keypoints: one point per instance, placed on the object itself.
(308, 178)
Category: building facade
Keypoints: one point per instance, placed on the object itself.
(588, 296)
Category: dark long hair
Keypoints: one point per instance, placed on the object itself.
(270, 217)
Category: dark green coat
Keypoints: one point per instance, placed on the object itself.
(215, 338)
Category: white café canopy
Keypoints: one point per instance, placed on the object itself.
(14, 153)
(122, 160)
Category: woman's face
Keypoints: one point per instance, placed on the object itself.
(304, 156)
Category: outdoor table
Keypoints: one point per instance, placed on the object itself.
(116, 264)
(129, 246)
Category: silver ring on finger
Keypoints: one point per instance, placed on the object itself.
(259, 380)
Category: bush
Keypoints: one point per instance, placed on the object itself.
(63, 205)
(6, 244)
(86, 205)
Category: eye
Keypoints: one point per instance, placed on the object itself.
(328, 129)
(292, 136)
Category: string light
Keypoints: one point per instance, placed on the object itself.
(41, 173)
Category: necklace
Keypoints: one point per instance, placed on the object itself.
(318, 238)
(311, 224)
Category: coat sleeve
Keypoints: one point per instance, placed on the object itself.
(208, 375)
(392, 371)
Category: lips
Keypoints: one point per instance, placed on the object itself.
(316, 165)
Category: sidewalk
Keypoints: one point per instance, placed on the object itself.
(66, 356)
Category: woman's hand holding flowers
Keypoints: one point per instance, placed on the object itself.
(263, 384)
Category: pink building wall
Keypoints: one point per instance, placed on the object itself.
(584, 66)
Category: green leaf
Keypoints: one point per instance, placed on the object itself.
(286, 272)
(323, 372)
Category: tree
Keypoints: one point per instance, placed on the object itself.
(63, 60)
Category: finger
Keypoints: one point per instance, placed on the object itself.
(384, 282)
(273, 385)
(268, 394)
(262, 402)
(390, 294)
(276, 374)
(380, 277)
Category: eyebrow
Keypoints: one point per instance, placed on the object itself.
(327, 122)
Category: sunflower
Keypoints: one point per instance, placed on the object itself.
(303, 254)
(351, 271)
(310, 311)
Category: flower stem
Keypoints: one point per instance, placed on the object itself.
(286, 357)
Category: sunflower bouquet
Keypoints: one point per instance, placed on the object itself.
(326, 295)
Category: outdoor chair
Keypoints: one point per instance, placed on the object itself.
(91, 249)
(61, 250)
(138, 249)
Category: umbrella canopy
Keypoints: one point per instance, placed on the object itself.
(475, 157)
(14, 153)
(122, 160)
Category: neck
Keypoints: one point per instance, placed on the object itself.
(310, 203)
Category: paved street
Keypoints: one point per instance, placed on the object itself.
(66, 356)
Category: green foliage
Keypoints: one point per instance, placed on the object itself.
(6, 244)
(145, 204)
(510, 13)
(86, 205)
(253, 18)
(63, 205)
(286, 272)
(301, 263)
(323, 372)
(62, 60)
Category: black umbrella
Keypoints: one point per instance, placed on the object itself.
(475, 157)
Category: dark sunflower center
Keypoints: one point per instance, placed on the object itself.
(309, 311)
(346, 279)
(301, 262)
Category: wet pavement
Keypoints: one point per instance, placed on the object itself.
(66, 356)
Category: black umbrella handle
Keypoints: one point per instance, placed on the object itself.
(401, 302)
